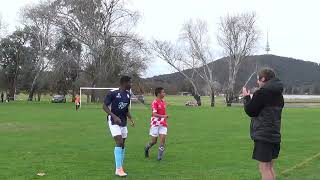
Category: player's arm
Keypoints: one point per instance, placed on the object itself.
(107, 102)
(130, 119)
(254, 105)
(159, 116)
(108, 111)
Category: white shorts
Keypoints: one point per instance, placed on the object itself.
(117, 130)
(156, 130)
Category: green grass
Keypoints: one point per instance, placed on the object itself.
(203, 143)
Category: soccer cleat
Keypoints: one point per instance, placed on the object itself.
(119, 172)
(146, 152)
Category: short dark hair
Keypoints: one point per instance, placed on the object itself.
(266, 73)
(124, 79)
(158, 90)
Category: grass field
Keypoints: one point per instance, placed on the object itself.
(203, 143)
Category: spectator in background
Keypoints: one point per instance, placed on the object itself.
(77, 102)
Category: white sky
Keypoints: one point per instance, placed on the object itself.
(294, 28)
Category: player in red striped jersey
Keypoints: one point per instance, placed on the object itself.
(158, 127)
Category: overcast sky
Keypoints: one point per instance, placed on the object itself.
(293, 25)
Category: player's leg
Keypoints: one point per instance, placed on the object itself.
(161, 146)
(118, 155)
(149, 146)
(154, 133)
(118, 150)
(124, 133)
(123, 152)
(162, 136)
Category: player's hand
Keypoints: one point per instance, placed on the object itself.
(164, 116)
(117, 120)
(245, 92)
(132, 123)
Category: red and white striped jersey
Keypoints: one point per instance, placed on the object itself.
(158, 106)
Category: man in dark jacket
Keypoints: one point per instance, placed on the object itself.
(265, 108)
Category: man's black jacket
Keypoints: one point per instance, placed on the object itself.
(265, 110)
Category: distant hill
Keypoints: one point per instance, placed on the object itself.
(298, 76)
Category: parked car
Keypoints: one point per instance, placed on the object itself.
(58, 99)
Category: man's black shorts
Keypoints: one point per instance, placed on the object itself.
(265, 152)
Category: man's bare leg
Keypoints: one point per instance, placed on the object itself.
(265, 171)
(272, 170)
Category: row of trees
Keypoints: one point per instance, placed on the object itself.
(65, 44)
(237, 35)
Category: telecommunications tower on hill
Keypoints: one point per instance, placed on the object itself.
(268, 45)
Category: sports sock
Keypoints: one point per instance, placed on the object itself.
(160, 152)
(148, 146)
(118, 157)
(123, 153)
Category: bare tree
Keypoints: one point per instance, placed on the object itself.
(105, 29)
(238, 36)
(195, 33)
(40, 22)
(171, 54)
(194, 55)
(3, 27)
(67, 63)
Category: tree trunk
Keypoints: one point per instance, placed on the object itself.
(11, 94)
(39, 97)
(197, 98)
(93, 94)
(33, 86)
(30, 98)
(73, 93)
(11, 80)
(212, 98)
(88, 98)
(229, 98)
